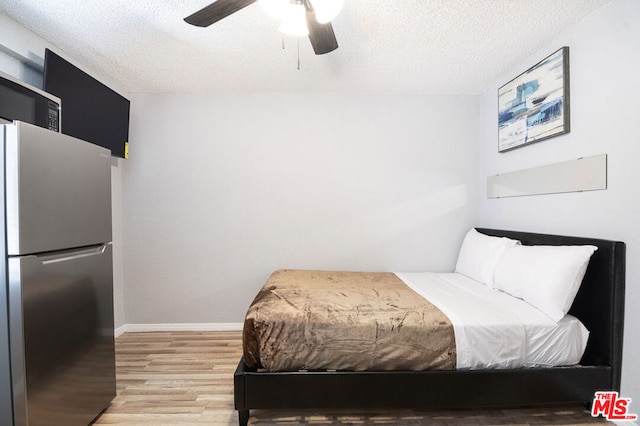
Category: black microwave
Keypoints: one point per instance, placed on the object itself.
(20, 101)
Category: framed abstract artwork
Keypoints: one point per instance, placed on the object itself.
(534, 106)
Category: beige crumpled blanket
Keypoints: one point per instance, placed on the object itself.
(308, 320)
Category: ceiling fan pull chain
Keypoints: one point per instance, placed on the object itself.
(298, 38)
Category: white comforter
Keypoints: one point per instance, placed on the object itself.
(495, 330)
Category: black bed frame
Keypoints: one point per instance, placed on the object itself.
(599, 305)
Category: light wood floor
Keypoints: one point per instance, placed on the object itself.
(186, 378)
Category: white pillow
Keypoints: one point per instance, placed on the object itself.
(479, 255)
(547, 277)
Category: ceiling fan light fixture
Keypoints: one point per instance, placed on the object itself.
(274, 8)
(322, 38)
(326, 10)
(294, 21)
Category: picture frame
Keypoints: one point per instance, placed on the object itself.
(534, 106)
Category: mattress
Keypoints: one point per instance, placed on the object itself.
(494, 329)
(306, 320)
(309, 320)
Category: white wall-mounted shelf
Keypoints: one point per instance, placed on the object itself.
(583, 174)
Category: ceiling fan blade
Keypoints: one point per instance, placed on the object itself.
(323, 40)
(216, 11)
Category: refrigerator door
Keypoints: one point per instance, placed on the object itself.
(6, 397)
(61, 336)
(6, 408)
(58, 191)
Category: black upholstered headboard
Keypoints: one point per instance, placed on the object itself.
(599, 303)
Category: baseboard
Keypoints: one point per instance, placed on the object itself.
(139, 328)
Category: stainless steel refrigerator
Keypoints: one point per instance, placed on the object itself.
(57, 357)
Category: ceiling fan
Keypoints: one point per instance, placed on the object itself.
(323, 40)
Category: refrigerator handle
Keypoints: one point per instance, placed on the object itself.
(75, 254)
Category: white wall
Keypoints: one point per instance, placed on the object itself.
(21, 52)
(605, 88)
(221, 190)
(22, 56)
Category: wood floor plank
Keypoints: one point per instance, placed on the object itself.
(186, 379)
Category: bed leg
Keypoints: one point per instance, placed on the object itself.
(243, 417)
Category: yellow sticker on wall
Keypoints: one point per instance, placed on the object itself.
(126, 150)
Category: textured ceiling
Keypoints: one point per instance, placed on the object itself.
(386, 46)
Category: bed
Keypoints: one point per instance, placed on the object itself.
(598, 305)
